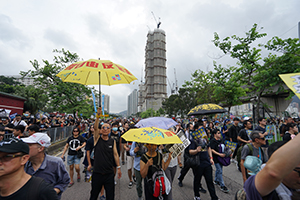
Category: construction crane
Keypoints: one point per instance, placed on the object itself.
(158, 23)
(174, 86)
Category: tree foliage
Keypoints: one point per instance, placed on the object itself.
(8, 84)
(251, 78)
(62, 96)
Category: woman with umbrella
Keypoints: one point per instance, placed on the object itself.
(150, 162)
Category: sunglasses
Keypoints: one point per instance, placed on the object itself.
(75, 131)
(105, 127)
(9, 157)
(297, 171)
(263, 138)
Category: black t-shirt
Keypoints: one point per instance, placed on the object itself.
(233, 132)
(116, 137)
(214, 144)
(9, 125)
(104, 156)
(28, 120)
(157, 164)
(244, 135)
(74, 143)
(89, 147)
(45, 191)
(282, 129)
(204, 157)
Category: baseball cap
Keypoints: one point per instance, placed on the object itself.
(246, 118)
(13, 145)
(41, 138)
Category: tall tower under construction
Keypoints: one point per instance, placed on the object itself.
(154, 90)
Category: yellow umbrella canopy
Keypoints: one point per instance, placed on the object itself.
(151, 135)
(207, 108)
(88, 73)
(96, 72)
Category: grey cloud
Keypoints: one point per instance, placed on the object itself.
(11, 35)
(60, 39)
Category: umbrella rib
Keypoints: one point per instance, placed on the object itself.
(107, 79)
(87, 77)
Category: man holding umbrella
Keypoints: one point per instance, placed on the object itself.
(105, 152)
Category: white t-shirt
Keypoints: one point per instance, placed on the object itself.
(22, 122)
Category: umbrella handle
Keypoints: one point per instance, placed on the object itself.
(99, 90)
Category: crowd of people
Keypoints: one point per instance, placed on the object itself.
(99, 141)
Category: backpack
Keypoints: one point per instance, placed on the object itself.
(226, 160)
(156, 183)
(239, 154)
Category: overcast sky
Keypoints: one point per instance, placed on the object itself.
(117, 30)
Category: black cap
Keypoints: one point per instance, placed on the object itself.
(13, 145)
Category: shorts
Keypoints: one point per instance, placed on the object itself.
(73, 159)
(130, 160)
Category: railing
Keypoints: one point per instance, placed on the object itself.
(59, 133)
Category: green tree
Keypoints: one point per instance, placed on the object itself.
(227, 89)
(62, 96)
(8, 84)
(203, 85)
(36, 98)
(256, 73)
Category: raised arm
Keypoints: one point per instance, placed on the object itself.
(278, 167)
(96, 126)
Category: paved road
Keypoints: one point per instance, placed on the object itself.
(232, 179)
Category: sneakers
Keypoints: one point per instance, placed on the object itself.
(216, 183)
(134, 179)
(201, 189)
(224, 189)
(197, 198)
(102, 197)
(130, 184)
(71, 184)
(180, 184)
(78, 178)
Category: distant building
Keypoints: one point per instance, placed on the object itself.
(154, 90)
(25, 81)
(132, 103)
(106, 103)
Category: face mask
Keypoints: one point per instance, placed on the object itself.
(102, 123)
(115, 128)
(26, 115)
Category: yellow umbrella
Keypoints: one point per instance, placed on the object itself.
(94, 72)
(151, 135)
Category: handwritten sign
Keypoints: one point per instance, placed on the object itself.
(231, 145)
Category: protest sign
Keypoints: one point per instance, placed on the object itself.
(231, 145)
(269, 130)
(200, 133)
(176, 149)
(249, 133)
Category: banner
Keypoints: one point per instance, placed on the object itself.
(231, 145)
(292, 81)
(103, 104)
(94, 100)
(200, 133)
(269, 130)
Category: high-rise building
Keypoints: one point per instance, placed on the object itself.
(154, 90)
(25, 81)
(106, 103)
(132, 104)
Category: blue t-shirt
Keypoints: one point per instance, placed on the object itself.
(252, 193)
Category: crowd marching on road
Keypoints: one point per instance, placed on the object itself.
(270, 168)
